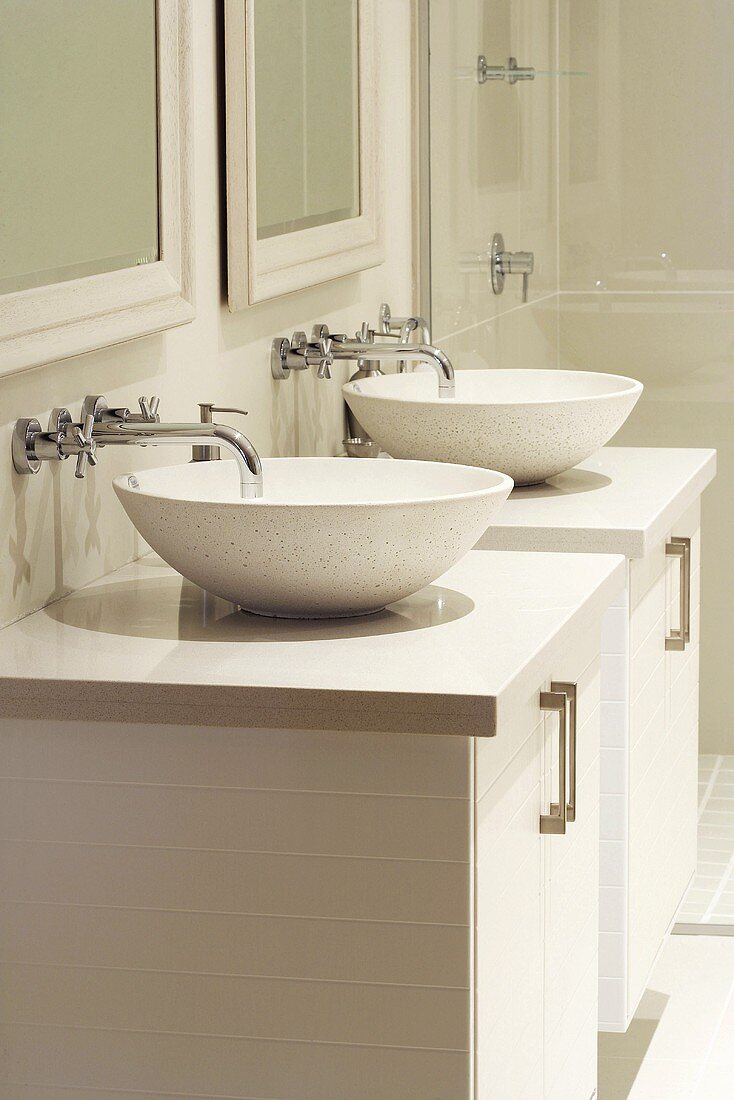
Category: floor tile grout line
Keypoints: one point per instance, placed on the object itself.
(706, 1060)
(726, 875)
(701, 914)
(727, 869)
(709, 787)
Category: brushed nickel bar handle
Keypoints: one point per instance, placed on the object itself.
(570, 691)
(678, 638)
(555, 821)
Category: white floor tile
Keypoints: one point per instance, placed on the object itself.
(664, 1079)
(714, 854)
(708, 845)
(715, 844)
(680, 1046)
(719, 831)
(717, 1083)
(688, 992)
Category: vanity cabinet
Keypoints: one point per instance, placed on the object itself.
(305, 914)
(645, 504)
(291, 909)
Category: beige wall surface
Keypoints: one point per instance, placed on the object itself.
(647, 252)
(493, 170)
(59, 533)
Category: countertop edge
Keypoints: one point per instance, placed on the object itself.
(247, 707)
(631, 542)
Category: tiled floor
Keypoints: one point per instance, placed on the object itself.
(710, 899)
(680, 1045)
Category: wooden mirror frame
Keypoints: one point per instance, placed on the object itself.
(263, 269)
(54, 322)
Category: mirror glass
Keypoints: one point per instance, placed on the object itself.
(307, 113)
(78, 139)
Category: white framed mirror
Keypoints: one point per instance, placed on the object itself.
(95, 236)
(303, 198)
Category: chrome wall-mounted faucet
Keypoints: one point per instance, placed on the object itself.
(326, 348)
(101, 426)
(207, 453)
(402, 327)
(300, 354)
(504, 263)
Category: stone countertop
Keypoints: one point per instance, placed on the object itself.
(143, 645)
(622, 500)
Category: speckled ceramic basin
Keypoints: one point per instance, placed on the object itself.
(531, 424)
(330, 537)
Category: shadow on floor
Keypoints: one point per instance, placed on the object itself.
(621, 1056)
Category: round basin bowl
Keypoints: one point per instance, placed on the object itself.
(530, 424)
(330, 537)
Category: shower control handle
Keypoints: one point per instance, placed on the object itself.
(503, 263)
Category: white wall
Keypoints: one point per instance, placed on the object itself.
(646, 167)
(59, 533)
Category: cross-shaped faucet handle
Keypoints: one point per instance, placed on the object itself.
(326, 357)
(149, 409)
(84, 445)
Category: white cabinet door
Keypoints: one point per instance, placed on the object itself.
(663, 743)
(536, 894)
(681, 696)
(571, 878)
(508, 964)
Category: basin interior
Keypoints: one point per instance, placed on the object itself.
(318, 482)
(501, 387)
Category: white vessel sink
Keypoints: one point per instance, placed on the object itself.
(330, 537)
(531, 424)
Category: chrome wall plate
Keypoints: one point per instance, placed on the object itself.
(25, 460)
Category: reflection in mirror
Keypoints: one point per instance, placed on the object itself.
(307, 113)
(78, 133)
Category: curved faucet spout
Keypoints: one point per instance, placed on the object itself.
(422, 353)
(251, 470)
(124, 433)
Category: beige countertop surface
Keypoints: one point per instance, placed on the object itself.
(622, 500)
(143, 645)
